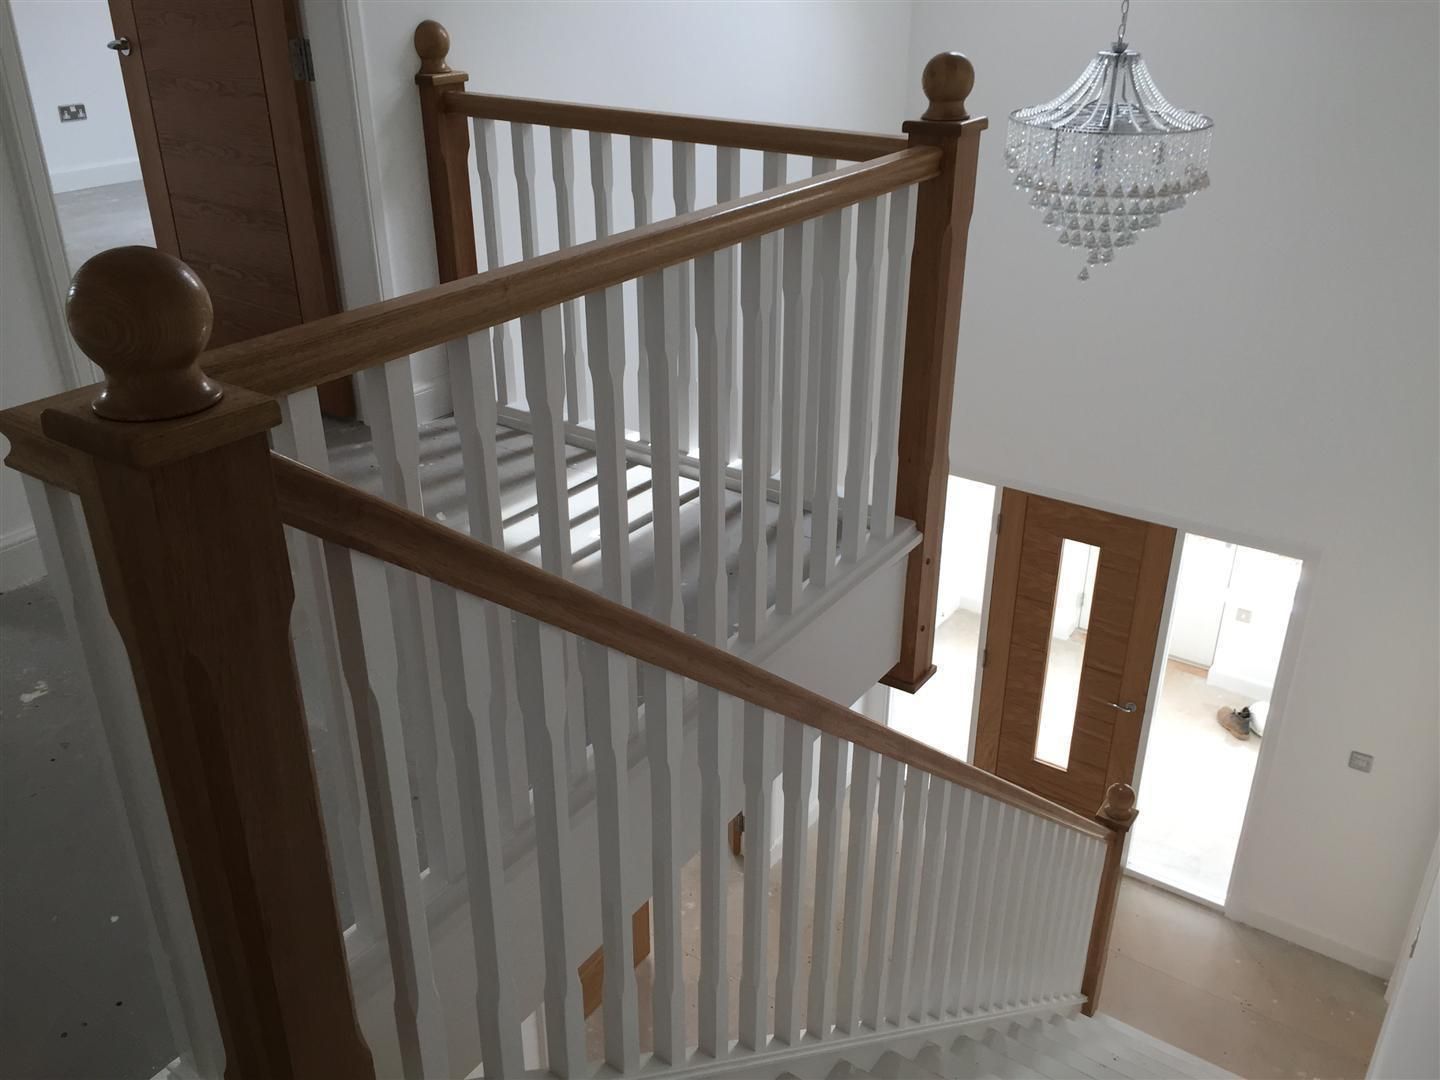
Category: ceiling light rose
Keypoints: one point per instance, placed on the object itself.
(1106, 158)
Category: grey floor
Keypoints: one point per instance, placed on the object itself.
(93, 219)
(78, 995)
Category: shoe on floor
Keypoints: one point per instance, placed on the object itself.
(1235, 721)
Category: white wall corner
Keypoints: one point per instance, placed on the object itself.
(97, 175)
(20, 560)
(1381, 966)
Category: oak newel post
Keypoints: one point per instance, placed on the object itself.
(175, 479)
(447, 153)
(937, 272)
(1117, 814)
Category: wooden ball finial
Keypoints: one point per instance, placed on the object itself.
(947, 81)
(1119, 805)
(432, 45)
(144, 317)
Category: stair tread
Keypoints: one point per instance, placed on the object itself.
(1081, 1066)
(1043, 1064)
(1160, 1065)
(1173, 1053)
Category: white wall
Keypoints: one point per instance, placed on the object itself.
(66, 61)
(1262, 368)
(1253, 624)
(1409, 1043)
(837, 65)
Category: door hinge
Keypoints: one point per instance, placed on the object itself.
(999, 520)
(301, 64)
(984, 658)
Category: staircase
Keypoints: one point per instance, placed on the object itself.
(1058, 1047)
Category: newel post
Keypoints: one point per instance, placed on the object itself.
(1117, 813)
(447, 153)
(937, 272)
(180, 504)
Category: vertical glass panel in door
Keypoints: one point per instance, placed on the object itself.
(1065, 658)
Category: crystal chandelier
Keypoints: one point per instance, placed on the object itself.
(1106, 158)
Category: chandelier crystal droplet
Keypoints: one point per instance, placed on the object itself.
(1104, 160)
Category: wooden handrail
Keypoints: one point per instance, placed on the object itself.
(676, 127)
(316, 352)
(325, 507)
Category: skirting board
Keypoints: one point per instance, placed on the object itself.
(88, 176)
(1379, 966)
(20, 558)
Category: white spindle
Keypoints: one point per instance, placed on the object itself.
(473, 398)
(1002, 927)
(798, 741)
(664, 704)
(682, 159)
(774, 174)
(128, 770)
(1088, 880)
(887, 834)
(819, 1008)
(712, 301)
(818, 166)
(937, 813)
(727, 188)
(980, 860)
(642, 194)
(611, 705)
(855, 520)
(1022, 912)
(799, 267)
(899, 235)
(522, 152)
(387, 395)
(487, 164)
(1054, 954)
(546, 705)
(907, 893)
(1037, 924)
(834, 261)
(957, 828)
(363, 593)
(562, 166)
(754, 991)
(301, 436)
(465, 675)
(863, 778)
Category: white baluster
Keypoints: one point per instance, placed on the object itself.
(1066, 872)
(664, 704)
(363, 593)
(487, 164)
(1001, 933)
(887, 834)
(727, 188)
(796, 771)
(562, 166)
(712, 300)
(546, 705)
(855, 519)
(1037, 922)
(611, 702)
(301, 436)
(682, 157)
(957, 828)
(1092, 866)
(128, 771)
(775, 174)
(754, 992)
(642, 194)
(465, 675)
(1022, 910)
(473, 396)
(899, 235)
(834, 261)
(937, 813)
(981, 846)
(862, 814)
(522, 152)
(907, 893)
(387, 396)
(799, 268)
(819, 1008)
(818, 166)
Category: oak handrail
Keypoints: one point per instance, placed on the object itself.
(332, 510)
(316, 352)
(676, 127)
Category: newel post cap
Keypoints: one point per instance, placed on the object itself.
(947, 81)
(1118, 809)
(144, 317)
(432, 45)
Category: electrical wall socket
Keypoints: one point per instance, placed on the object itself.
(1242, 614)
(1361, 762)
(71, 112)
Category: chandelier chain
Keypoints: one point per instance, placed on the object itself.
(1124, 18)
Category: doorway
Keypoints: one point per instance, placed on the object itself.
(1229, 622)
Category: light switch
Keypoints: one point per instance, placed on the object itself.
(1361, 762)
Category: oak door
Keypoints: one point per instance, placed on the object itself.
(1076, 598)
(219, 98)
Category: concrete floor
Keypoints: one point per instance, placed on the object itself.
(79, 998)
(93, 219)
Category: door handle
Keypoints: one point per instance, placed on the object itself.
(120, 44)
(1128, 707)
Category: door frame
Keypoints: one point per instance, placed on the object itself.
(1237, 905)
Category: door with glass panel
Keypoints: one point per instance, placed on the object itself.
(1076, 596)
